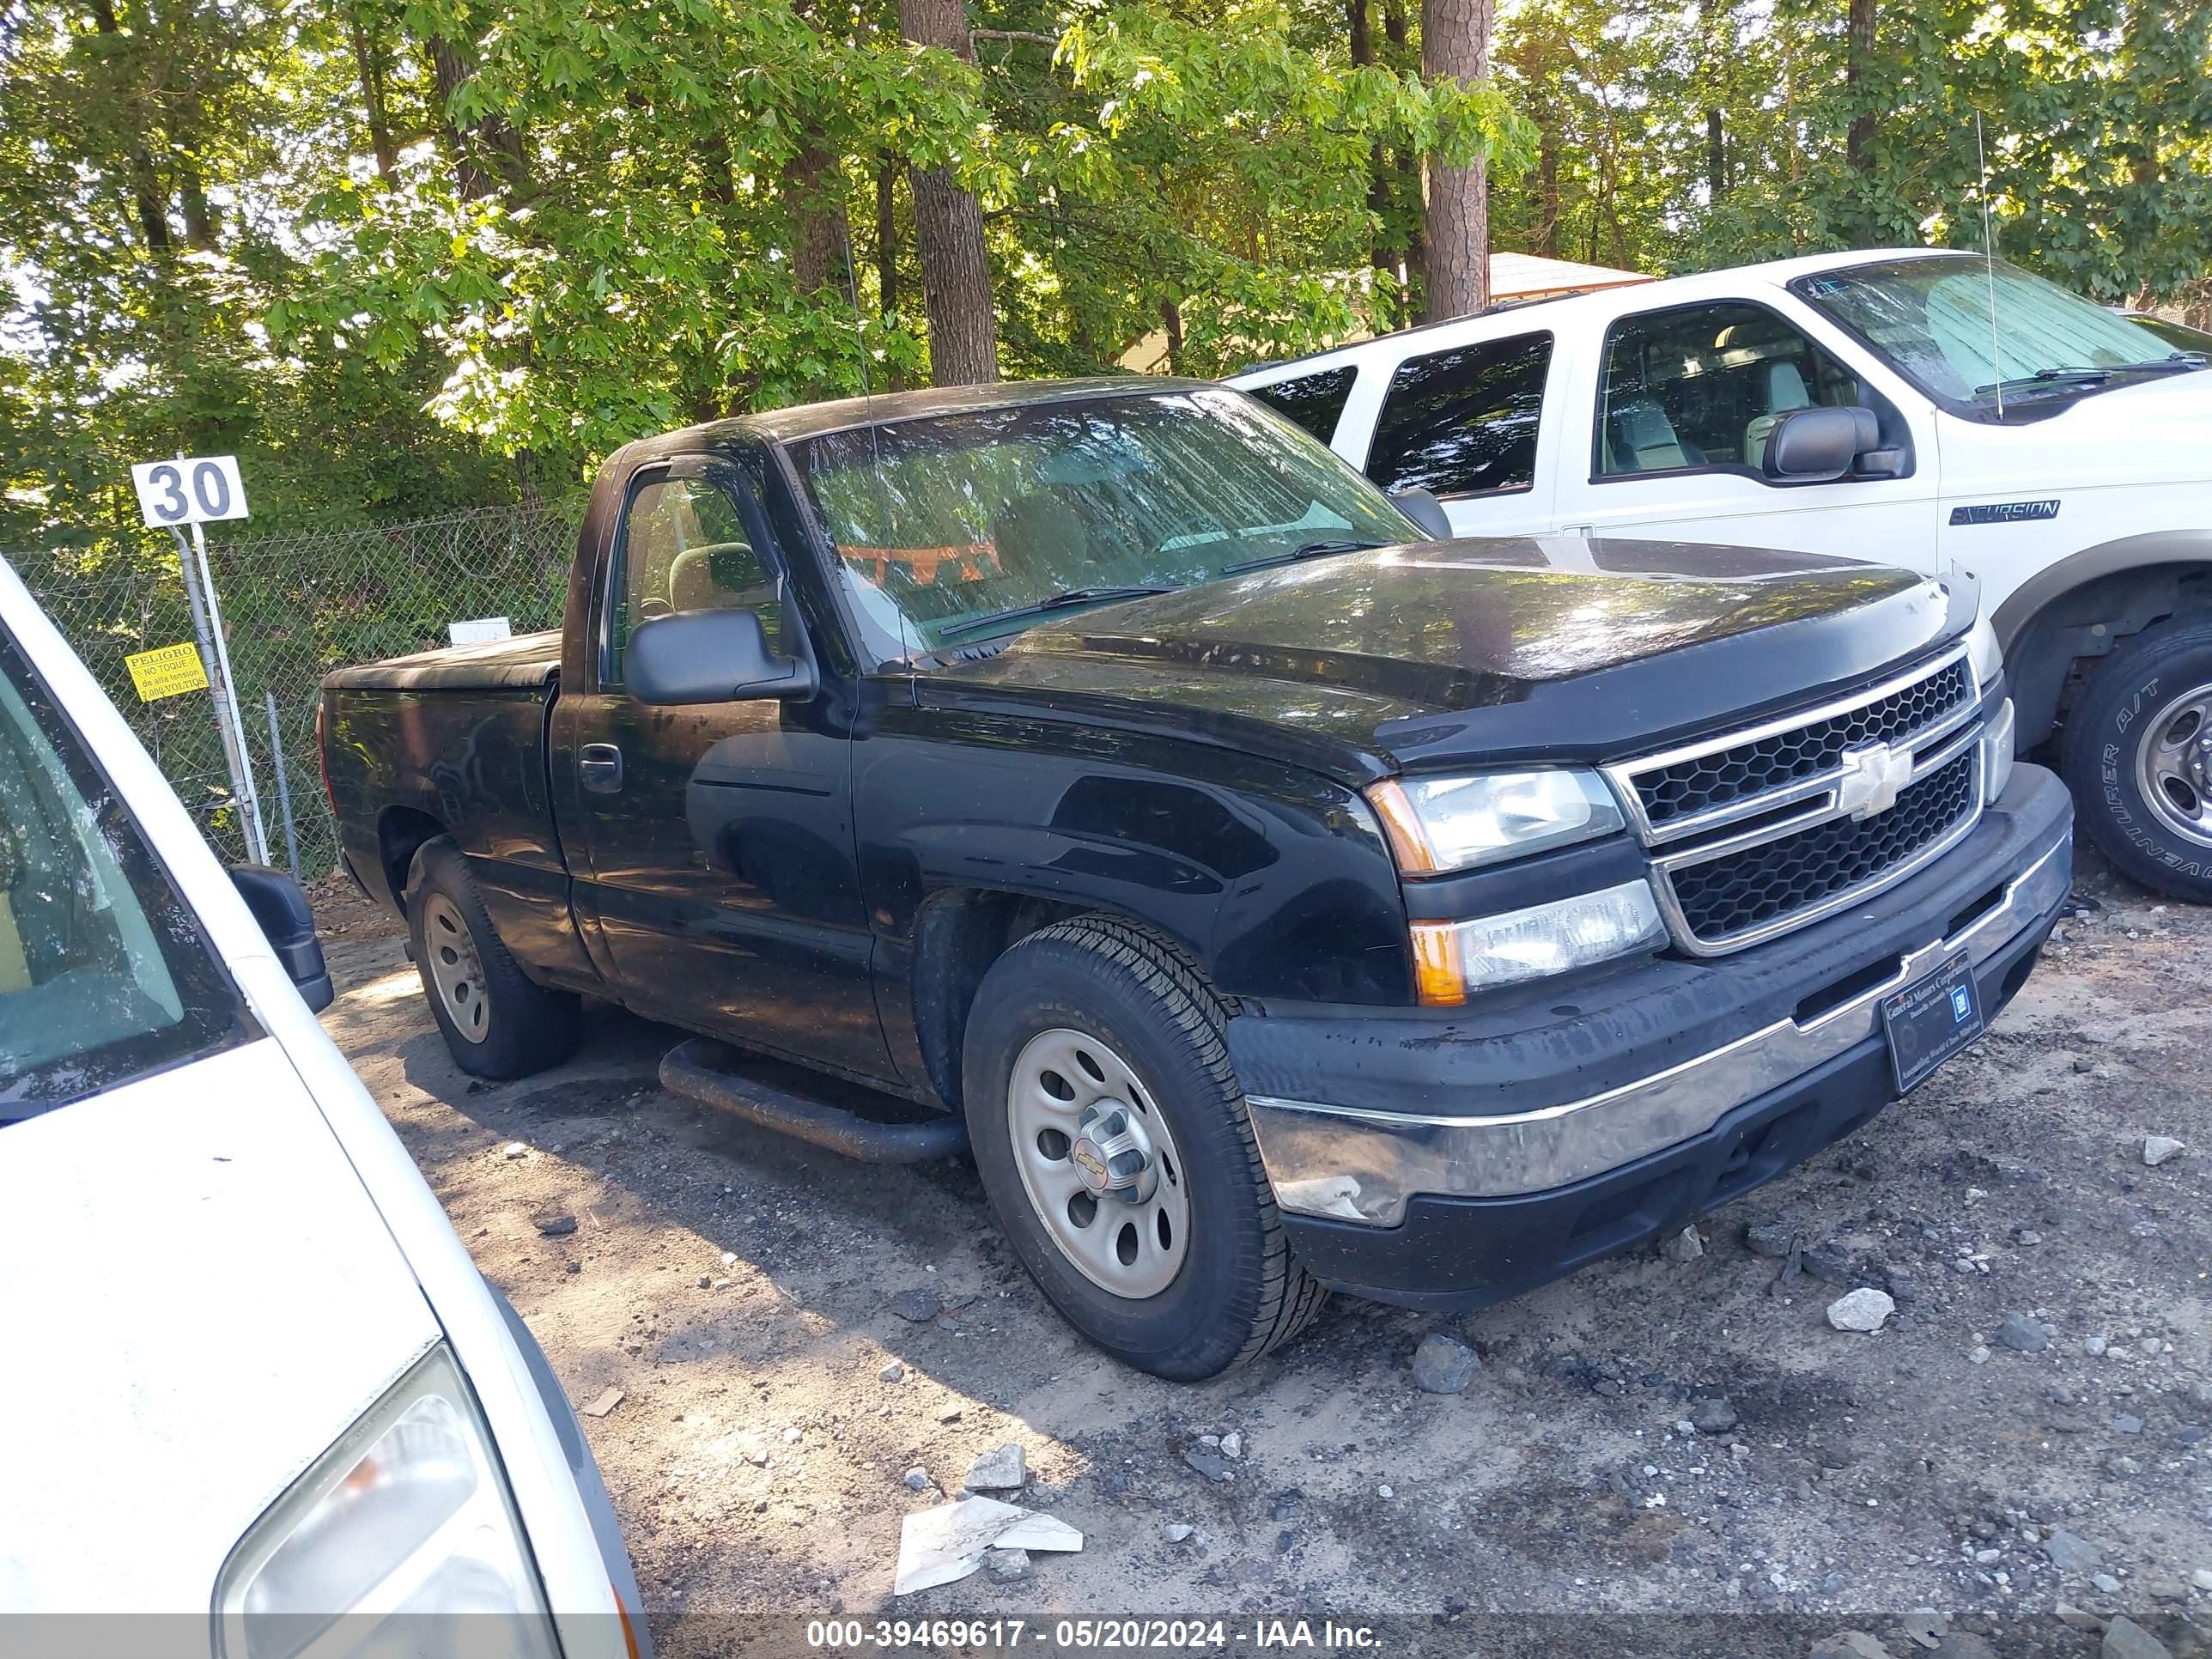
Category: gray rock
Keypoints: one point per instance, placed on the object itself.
(1864, 1309)
(2200, 1393)
(1443, 1365)
(1179, 1531)
(893, 1372)
(1001, 1469)
(1232, 1444)
(2071, 1554)
(1713, 1415)
(1924, 1627)
(1210, 1465)
(916, 1307)
(2127, 1424)
(2156, 1149)
(1850, 1644)
(2105, 1582)
(1008, 1566)
(554, 1220)
(1684, 1246)
(1833, 1265)
(705, 1282)
(2126, 1639)
(917, 1479)
(2024, 1333)
(2080, 1619)
(2093, 1345)
(1903, 1287)
(1771, 1239)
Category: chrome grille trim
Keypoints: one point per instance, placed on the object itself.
(1624, 776)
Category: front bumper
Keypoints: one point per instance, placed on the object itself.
(1581, 1117)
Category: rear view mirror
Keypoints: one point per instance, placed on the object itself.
(1819, 445)
(710, 656)
(288, 925)
(1422, 506)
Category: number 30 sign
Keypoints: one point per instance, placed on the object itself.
(172, 492)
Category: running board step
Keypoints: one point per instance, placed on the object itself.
(704, 1070)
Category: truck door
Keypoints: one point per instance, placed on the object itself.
(1467, 423)
(1674, 427)
(719, 836)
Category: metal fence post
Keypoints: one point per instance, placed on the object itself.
(233, 740)
(284, 783)
(257, 837)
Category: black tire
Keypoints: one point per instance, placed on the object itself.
(2130, 699)
(513, 1027)
(1237, 1293)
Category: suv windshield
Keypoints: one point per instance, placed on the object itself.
(103, 974)
(1931, 319)
(962, 528)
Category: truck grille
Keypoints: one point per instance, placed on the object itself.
(1739, 892)
(1695, 786)
(1756, 832)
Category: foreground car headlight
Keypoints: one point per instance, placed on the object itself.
(1983, 653)
(1441, 824)
(1996, 752)
(1453, 958)
(401, 1527)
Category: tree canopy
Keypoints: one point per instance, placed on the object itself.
(409, 255)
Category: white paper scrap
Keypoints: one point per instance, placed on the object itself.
(946, 1542)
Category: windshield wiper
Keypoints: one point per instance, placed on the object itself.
(2179, 363)
(1304, 550)
(1059, 601)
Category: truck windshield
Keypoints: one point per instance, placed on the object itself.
(104, 975)
(961, 528)
(1931, 319)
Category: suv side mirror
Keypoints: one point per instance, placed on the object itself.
(288, 925)
(1422, 506)
(711, 656)
(1819, 445)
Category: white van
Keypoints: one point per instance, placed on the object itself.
(1864, 404)
(252, 1380)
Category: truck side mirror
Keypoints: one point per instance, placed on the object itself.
(711, 656)
(1422, 506)
(288, 925)
(1819, 445)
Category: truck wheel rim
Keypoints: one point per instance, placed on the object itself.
(2173, 765)
(455, 968)
(1098, 1163)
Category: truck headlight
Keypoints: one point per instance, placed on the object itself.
(400, 1527)
(1440, 825)
(1983, 653)
(1996, 752)
(1452, 959)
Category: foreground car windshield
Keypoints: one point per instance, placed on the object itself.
(962, 528)
(1930, 318)
(103, 973)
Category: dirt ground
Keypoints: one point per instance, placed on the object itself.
(738, 1288)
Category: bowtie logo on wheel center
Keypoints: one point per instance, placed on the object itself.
(1113, 1154)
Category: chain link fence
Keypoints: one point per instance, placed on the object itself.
(294, 607)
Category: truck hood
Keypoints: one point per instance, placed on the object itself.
(207, 1300)
(2153, 432)
(1560, 647)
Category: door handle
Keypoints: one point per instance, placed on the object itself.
(599, 768)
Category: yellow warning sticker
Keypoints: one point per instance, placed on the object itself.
(168, 672)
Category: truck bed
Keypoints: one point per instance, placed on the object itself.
(526, 660)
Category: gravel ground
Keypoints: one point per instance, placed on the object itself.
(1677, 1430)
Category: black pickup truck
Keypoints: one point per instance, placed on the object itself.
(1274, 898)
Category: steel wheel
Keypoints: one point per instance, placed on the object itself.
(2174, 764)
(1098, 1163)
(455, 968)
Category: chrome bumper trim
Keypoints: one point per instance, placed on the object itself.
(1356, 1164)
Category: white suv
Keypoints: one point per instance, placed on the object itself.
(1860, 405)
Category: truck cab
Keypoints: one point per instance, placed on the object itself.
(1911, 407)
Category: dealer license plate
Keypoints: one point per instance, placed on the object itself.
(1930, 1020)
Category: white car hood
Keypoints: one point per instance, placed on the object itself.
(2155, 432)
(198, 1297)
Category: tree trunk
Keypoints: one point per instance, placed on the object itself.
(1171, 320)
(1455, 47)
(372, 97)
(148, 197)
(1716, 156)
(815, 184)
(1858, 64)
(201, 218)
(887, 249)
(956, 268)
(1547, 186)
(502, 160)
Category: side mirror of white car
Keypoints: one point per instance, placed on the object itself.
(281, 909)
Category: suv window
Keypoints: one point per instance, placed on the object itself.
(1312, 401)
(104, 974)
(1703, 386)
(684, 547)
(1463, 422)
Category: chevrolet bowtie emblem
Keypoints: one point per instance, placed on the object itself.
(1872, 778)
